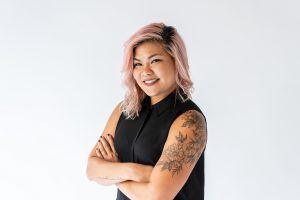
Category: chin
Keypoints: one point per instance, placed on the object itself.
(151, 93)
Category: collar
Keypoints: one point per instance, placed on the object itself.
(168, 102)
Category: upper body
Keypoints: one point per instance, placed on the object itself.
(157, 123)
(142, 140)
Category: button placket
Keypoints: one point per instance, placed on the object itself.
(145, 117)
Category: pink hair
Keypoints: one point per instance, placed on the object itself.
(131, 105)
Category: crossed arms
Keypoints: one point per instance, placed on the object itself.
(185, 143)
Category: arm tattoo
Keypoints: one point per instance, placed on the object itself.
(185, 149)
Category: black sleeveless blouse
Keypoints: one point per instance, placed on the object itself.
(141, 140)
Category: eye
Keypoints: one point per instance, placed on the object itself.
(134, 65)
(156, 60)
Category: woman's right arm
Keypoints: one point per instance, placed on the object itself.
(108, 173)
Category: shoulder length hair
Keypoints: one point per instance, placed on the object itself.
(172, 44)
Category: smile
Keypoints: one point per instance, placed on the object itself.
(150, 82)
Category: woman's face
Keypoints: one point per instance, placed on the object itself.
(154, 70)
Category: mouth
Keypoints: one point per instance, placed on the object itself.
(151, 82)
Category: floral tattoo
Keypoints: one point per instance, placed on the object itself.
(186, 149)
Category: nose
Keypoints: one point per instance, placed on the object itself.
(147, 70)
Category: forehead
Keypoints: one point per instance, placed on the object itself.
(148, 48)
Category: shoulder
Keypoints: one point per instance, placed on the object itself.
(190, 119)
(110, 126)
(189, 128)
(187, 108)
(117, 110)
(113, 120)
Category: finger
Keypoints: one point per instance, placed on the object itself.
(106, 145)
(111, 143)
(99, 153)
(101, 148)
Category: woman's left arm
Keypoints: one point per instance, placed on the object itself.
(185, 143)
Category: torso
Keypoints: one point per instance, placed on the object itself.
(142, 139)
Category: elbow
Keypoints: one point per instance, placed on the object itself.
(102, 182)
(89, 172)
(158, 193)
(91, 176)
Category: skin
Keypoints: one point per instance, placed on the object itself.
(106, 149)
(150, 61)
(187, 135)
(147, 66)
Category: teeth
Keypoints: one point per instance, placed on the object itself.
(150, 81)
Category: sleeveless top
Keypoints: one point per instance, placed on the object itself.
(141, 140)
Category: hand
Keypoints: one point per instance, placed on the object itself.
(106, 149)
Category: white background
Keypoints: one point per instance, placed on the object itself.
(60, 78)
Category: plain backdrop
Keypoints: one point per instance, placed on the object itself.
(60, 78)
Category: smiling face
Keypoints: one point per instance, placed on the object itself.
(154, 70)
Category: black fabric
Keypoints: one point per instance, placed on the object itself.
(142, 140)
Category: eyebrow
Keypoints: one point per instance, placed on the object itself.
(149, 56)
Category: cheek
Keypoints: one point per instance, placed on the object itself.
(136, 76)
(167, 73)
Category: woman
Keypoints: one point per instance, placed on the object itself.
(154, 141)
